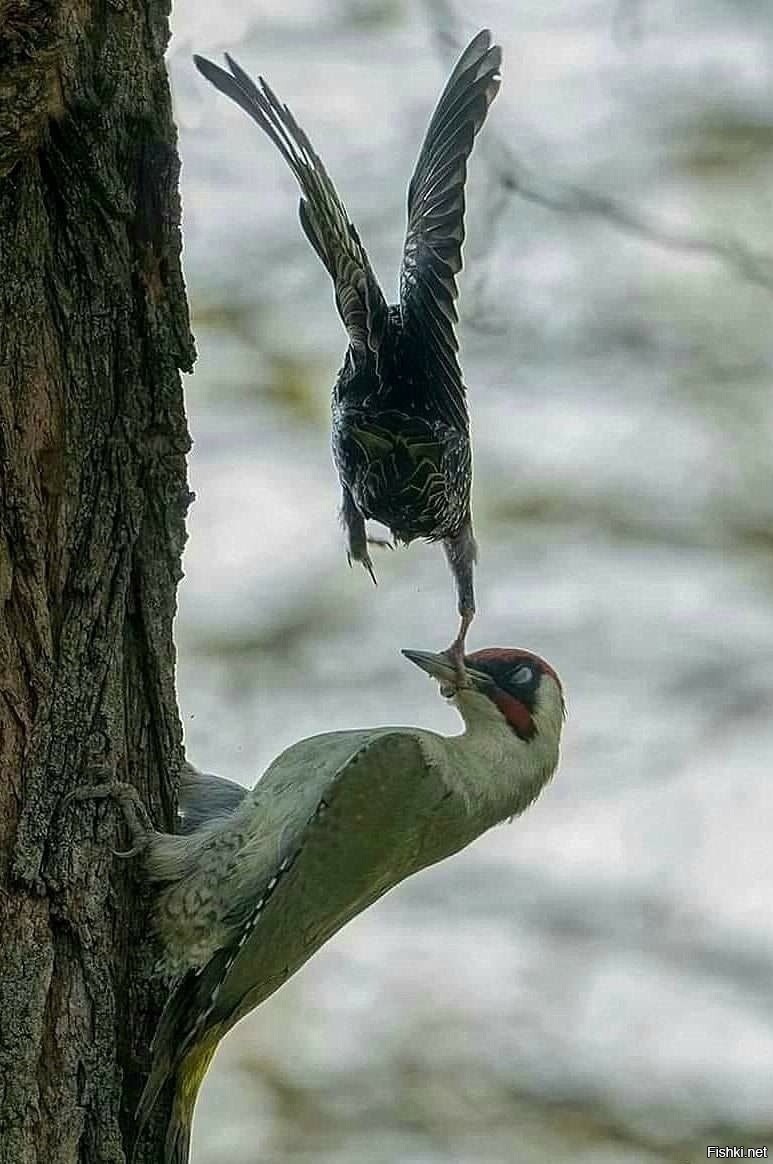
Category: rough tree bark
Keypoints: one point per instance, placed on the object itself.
(93, 332)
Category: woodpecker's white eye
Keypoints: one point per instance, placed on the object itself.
(521, 675)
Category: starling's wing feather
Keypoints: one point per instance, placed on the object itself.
(432, 255)
(323, 216)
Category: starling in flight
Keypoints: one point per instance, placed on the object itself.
(401, 433)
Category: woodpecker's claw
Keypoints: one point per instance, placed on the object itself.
(134, 812)
(134, 851)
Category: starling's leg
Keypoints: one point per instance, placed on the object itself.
(462, 552)
(355, 531)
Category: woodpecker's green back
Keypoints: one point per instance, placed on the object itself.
(335, 822)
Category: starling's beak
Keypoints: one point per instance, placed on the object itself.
(440, 667)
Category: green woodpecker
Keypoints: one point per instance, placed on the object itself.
(266, 877)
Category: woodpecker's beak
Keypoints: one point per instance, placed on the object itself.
(440, 667)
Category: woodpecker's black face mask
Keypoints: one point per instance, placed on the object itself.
(520, 679)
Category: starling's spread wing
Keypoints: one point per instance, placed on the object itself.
(323, 215)
(433, 244)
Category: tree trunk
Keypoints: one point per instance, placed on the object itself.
(93, 333)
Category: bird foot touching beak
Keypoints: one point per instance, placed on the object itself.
(455, 653)
(452, 674)
(455, 656)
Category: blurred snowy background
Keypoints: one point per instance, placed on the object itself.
(595, 982)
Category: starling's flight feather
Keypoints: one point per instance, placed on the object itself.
(323, 215)
(433, 245)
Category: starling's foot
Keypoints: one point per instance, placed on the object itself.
(354, 524)
(358, 552)
(363, 557)
(134, 812)
(455, 652)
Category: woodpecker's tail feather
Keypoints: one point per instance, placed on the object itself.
(165, 1061)
(177, 1148)
(182, 1049)
(188, 1081)
(177, 1142)
(163, 1066)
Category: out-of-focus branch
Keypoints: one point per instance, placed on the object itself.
(513, 177)
(567, 198)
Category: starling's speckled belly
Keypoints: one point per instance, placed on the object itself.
(411, 474)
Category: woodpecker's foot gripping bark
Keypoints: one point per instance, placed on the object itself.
(130, 802)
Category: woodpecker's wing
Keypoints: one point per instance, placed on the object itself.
(203, 797)
(381, 814)
(432, 256)
(323, 216)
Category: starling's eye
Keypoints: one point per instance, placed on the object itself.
(520, 676)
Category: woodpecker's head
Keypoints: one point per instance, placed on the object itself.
(510, 683)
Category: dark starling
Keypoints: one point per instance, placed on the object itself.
(401, 431)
